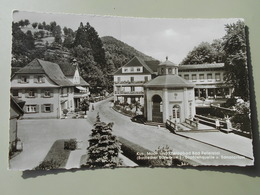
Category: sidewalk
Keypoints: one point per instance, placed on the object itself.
(229, 142)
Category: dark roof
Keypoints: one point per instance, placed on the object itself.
(17, 105)
(153, 64)
(83, 82)
(67, 69)
(201, 66)
(52, 70)
(135, 61)
(34, 67)
(169, 81)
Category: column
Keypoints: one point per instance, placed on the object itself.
(207, 93)
(165, 105)
(185, 104)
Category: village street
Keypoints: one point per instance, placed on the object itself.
(39, 135)
(151, 137)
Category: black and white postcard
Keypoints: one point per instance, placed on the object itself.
(92, 91)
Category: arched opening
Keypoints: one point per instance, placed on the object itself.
(176, 113)
(157, 114)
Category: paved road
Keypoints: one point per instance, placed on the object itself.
(152, 137)
(39, 135)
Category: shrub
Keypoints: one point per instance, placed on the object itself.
(49, 164)
(70, 144)
(132, 151)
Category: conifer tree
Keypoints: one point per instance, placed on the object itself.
(104, 147)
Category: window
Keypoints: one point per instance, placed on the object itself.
(132, 79)
(118, 79)
(47, 94)
(169, 70)
(209, 76)
(146, 78)
(132, 89)
(39, 79)
(15, 93)
(162, 70)
(31, 108)
(201, 76)
(132, 69)
(24, 79)
(176, 111)
(31, 93)
(125, 69)
(194, 77)
(138, 69)
(186, 76)
(47, 108)
(217, 76)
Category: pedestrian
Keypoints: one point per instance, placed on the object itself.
(217, 123)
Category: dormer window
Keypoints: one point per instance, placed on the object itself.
(138, 69)
(125, 69)
(24, 79)
(39, 79)
(132, 69)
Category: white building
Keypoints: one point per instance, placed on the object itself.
(45, 89)
(169, 96)
(130, 78)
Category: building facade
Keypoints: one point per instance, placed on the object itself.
(16, 111)
(129, 81)
(209, 80)
(169, 96)
(45, 89)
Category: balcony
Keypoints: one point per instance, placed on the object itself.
(129, 82)
(129, 93)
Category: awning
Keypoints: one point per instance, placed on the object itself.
(81, 88)
(63, 101)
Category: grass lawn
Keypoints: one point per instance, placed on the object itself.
(56, 158)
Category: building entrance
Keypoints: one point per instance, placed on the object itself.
(157, 114)
(176, 113)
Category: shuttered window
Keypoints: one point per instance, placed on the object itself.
(47, 108)
(31, 108)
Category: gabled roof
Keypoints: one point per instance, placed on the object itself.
(52, 70)
(153, 64)
(17, 105)
(83, 82)
(67, 69)
(135, 62)
(201, 66)
(168, 81)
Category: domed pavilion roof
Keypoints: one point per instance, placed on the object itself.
(167, 63)
(169, 81)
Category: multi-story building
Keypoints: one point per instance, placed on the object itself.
(130, 78)
(209, 80)
(46, 90)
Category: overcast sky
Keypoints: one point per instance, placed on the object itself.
(157, 38)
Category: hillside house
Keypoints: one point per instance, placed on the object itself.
(46, 90)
